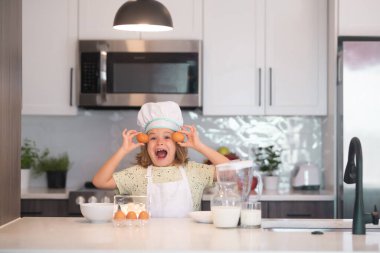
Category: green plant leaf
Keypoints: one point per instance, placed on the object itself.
(29, 154)
(52, 163)
(268, 159)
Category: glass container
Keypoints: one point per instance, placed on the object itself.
(226, 206)
(130, 210)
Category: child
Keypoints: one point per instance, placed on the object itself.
(173, 184)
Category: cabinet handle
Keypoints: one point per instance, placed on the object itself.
(259, 86)
(298, 215)
(31, 213)
(270, 86)
(71, 86)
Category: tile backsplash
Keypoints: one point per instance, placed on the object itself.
(92, 136)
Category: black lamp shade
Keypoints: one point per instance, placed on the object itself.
(143, 16)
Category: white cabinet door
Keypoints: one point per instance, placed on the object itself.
(359, 18)
(187, 20)
(296, 57)
(233, 58)
(49, 44)
(96, 20)
(265, 57)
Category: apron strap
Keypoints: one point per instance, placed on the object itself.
(183, 173)
(149, 174)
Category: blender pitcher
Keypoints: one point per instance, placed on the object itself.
(240, 173)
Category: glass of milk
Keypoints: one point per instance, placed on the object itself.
(250, 215)
(226, 206)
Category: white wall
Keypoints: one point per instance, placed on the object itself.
(92, 136)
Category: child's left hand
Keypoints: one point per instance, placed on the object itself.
(191, 134)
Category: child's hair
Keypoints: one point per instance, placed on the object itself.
(144, 160)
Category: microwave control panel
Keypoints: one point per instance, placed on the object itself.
(90, 72)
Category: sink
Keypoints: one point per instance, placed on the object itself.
(318, 230)
(312, 225)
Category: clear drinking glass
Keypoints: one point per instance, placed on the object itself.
(250, 216)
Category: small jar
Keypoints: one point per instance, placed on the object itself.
(226, 206)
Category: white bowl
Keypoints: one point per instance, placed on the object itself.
(97, 212)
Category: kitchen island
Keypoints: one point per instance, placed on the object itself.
(35, 234)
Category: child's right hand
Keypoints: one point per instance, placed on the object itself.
(128, 144)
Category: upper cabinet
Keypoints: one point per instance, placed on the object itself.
(96, 20)
(359, 18)
(271, 60)
(233, 64)
(49, 45)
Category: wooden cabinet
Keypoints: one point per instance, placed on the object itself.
(359, 18)
(96, 20)
(44, 207)
(265, 57)
(299, 209)
(292, 209)
(49, 46)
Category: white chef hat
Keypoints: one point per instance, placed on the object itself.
(160, 115)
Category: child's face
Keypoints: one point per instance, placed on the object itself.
(161, 147)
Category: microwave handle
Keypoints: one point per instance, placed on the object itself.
(103, 76)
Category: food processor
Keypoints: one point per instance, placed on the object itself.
(234, 180)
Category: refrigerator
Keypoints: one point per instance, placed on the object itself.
(358, 98)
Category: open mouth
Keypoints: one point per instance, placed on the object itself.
(161, 153)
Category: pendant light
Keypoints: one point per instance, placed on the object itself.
(143, 16)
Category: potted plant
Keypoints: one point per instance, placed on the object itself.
(55, 167)
(29, 157)
(268, 160)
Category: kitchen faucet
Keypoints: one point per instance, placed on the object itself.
(354, 175)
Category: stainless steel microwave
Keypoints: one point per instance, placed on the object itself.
(129, 73)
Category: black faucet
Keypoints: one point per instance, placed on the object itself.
(354, 175)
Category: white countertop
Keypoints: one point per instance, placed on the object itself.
(34, 234)
(321, 195)
(45, 193)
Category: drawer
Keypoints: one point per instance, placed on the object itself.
(301, 209)
(44, 207)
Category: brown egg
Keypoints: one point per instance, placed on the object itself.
(131, 215)
(178, 137)
(144, 215)
(119, 215)
(142, 138)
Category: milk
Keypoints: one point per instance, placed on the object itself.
(250, 218)
(225, 216)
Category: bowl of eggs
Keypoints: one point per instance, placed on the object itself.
(97, 212)
(130, 210)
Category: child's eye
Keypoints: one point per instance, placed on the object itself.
(167, 137)
(152, 138)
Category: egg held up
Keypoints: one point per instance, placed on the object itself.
(176, 137)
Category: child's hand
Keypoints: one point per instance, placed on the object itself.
(128, 144)
(191, 133)
(194, 142)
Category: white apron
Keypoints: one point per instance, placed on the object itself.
(169, 200)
